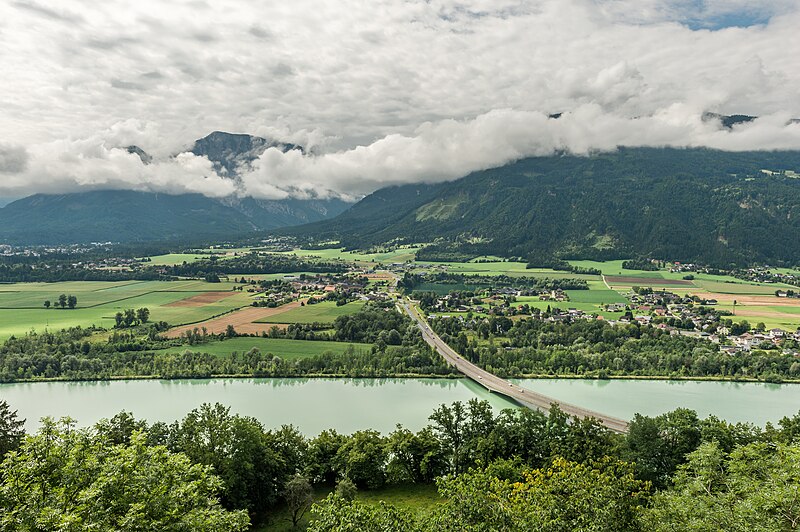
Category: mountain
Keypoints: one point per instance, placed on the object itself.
(230, 150)
(125, 216)
(696, 205)
(117, 216)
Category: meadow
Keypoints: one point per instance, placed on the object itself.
(22, 304)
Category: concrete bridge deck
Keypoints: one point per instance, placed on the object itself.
(495, 384)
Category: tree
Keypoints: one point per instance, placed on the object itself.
(754, 488)
(230, 332)
(299, 496)
(415, 457)
(67, 479)
(11, 429)
(47, 303)
(119, 320)
(604, 496)
(346, 489)
(143, 314)
(362, 458)
(337, 513)
(128, 317)
(322, 465)
(238, 449)
(659, 445)
(448, 423)
(62, 300)
(72, 301)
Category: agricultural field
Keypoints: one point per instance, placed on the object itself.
(402, 254)
(171, 259)
(325, 312)
(585, 306)
(286, 349)
(512, 269)
(176, 302)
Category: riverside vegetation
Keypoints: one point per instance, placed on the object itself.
(513, 470)
(525, 347)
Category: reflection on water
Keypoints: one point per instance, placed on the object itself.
(315, 404)
(734, 401)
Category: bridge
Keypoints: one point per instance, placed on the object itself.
(495, 384)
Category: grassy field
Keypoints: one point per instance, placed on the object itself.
(418, 498)
(324, 312)
(611, 267)
(286, 349)
(596, 296)
(22, 309)
(398, 255)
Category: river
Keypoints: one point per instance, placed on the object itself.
(347, 405)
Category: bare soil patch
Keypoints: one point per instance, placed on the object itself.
(763, 313)
(764, 301)
(200, 300)
(243, 321)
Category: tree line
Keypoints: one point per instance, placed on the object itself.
(516, 469)
(592, 348)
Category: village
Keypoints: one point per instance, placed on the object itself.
(667, 311)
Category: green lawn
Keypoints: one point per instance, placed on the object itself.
(286, 349)
(418, 498)
(325, 312)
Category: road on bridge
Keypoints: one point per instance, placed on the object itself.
(494, 383)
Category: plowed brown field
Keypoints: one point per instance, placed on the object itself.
(242, 321)
(201, 299)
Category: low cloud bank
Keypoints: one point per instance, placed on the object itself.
(436, 151)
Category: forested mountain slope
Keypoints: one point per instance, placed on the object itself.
(680, 204)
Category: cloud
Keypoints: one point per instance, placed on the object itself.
(92, 164)
(382, 92)
(13, 159)
(450, 149)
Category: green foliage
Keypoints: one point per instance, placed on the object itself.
(238, 450)
(68, 479)
(754, 488)
(337, 514)
(603, 496)
(11, 429)
(299, 496)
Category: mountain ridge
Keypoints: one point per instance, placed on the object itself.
(692, 204)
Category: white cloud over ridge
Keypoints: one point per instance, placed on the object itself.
(385, 92)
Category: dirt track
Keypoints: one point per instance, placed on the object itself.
(200, 299)
(242, 321)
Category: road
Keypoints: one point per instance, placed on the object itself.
(494, 383)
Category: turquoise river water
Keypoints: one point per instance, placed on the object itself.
(347, 405)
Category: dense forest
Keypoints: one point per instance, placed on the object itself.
(691, 205)
(516, 470)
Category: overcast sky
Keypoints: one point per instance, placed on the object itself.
(384, 91)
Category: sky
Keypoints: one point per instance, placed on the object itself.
(381, 92)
